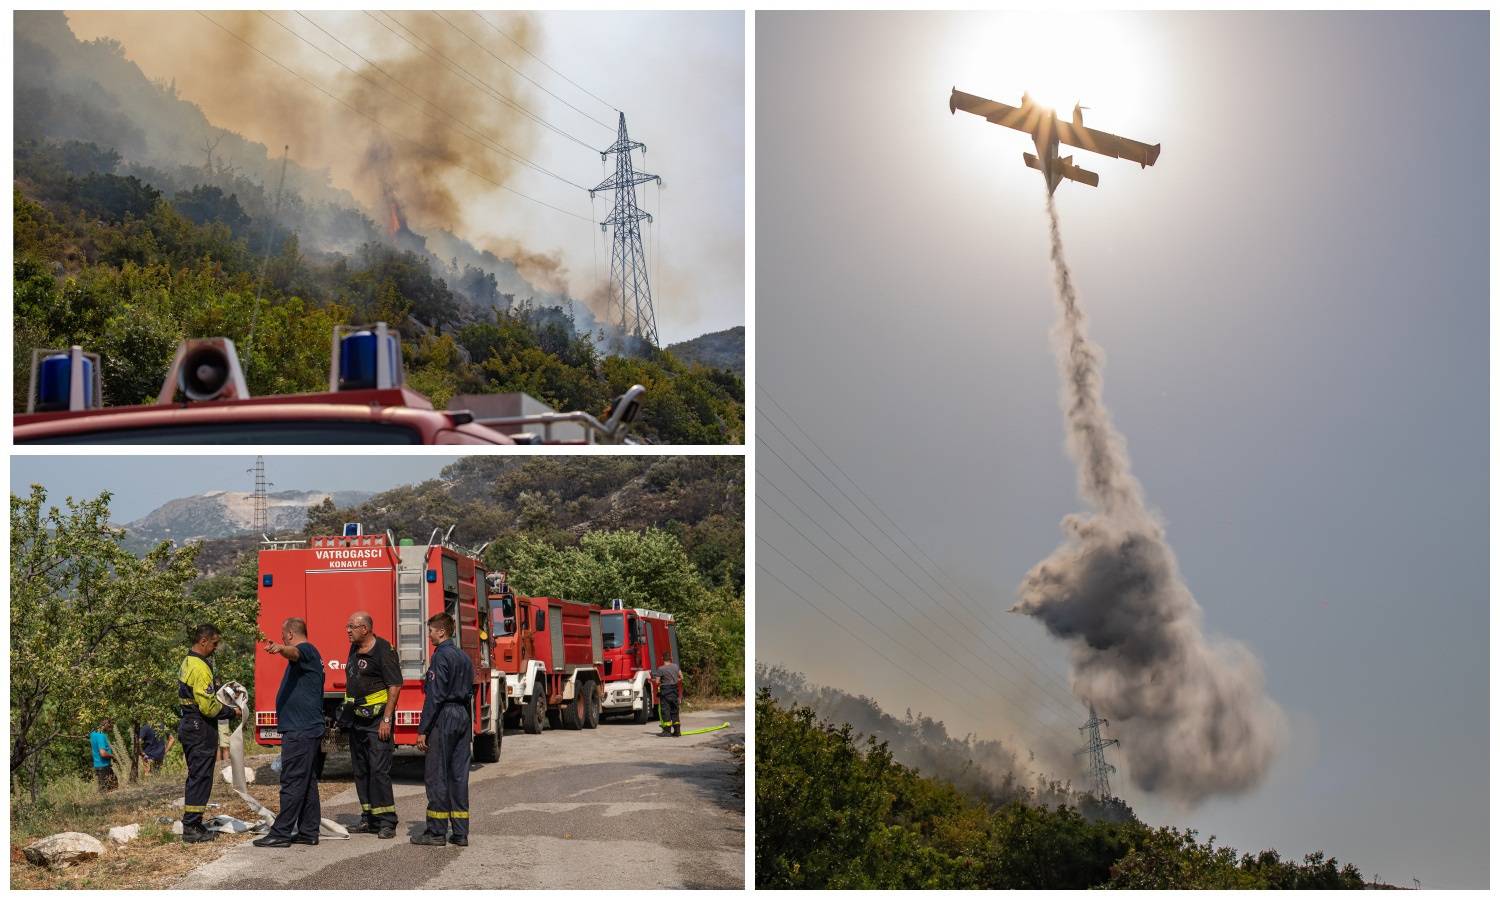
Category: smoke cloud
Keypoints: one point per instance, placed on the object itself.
(1191, 712)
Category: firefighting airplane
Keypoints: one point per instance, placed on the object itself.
(1048, 131)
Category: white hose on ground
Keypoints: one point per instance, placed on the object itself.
(234, 694)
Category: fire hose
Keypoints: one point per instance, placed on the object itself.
(234, 694)
(661, 716)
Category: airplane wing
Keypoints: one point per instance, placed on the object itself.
(1106, 144)
(999, 113)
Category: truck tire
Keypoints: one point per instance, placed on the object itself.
(554, 718)
(575, 711)
(646, 712)
(532, 712)
(487, 747)
(595, 707)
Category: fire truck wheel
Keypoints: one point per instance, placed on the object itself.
(595, 707)
(531, 713)
(554, 718)
(487, 747)
(644, 714)
(576, 710)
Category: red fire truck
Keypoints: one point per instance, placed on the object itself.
(325, 578)
(551, 652)
(367, 402)
(635, 642)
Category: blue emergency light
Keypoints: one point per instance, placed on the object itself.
(431, 576)
(265, 579)
(358, 360)
(55, 382)
(353, 529)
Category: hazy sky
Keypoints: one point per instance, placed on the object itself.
(679, 77)
(1294, 305)
(140, 484)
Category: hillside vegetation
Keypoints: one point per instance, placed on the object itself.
(124, 249)
(834, 811)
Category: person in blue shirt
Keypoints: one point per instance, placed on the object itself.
(445, 733)
(299, 718)
(103, 755)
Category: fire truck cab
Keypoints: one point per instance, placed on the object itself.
(635, 642)
(327, 577)
(551, 653)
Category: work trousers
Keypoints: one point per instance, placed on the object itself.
(199, 738)
(447, 775)
(105, 775)
(670, 714)
(372, 774)
(301, 809)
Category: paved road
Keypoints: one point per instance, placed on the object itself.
(617, 807)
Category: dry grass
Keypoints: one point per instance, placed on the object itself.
(694, 704)
(157, 858)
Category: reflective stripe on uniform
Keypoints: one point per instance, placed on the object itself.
(460, 814)
(364, 807)
(191, 809)
(380, 696)
(381, 809)
(436, 814)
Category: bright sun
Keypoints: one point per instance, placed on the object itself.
(1097, 59)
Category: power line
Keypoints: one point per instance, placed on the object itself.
(975, 610)
(475, 78)
(1067, 711)
(1068, 706)
(520, 73)
(474, 134)
(941, 694)
(523, 49)
(377, 124)
(916, 628)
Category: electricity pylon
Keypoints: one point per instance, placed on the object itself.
(629, 284)
(1098, 769)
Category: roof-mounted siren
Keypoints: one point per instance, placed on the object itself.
(365, 357)
(354, 529)
(205, 369)
(53, 387)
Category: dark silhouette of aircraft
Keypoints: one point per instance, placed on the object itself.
(1047, 130)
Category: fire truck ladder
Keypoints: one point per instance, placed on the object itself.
(409, 631)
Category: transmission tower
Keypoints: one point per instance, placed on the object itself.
(629, 286)
(262, 521)
(1098, 769)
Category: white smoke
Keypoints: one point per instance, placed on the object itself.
(1191, 713)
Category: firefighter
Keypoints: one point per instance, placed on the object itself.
(444, 734)
(299, 718)
(197, 730)
(669, 692)
(374, 674)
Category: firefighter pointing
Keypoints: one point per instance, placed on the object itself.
(374, 674)
(198, 731)
(444, 735)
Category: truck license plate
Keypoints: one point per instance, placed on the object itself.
(270, 733)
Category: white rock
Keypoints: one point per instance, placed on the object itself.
(228, 774)
(60, 850)
(124, 834)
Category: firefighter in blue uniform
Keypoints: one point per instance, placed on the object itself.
(445, 734)
(198, 730)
